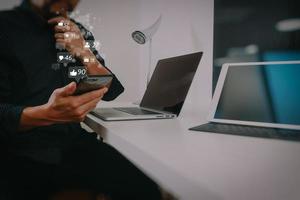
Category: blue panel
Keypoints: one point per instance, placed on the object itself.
(281, 55)
(283, 82)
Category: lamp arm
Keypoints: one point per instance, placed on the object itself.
(150, 62)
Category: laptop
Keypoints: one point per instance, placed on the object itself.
(165, 93)
(260, 99)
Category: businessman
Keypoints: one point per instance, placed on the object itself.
(44, 150)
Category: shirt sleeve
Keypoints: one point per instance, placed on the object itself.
(116, 88)
(10, 118)
(10, 114)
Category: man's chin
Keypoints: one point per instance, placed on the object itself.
(55, 14)
(50, 16)
(60, 10)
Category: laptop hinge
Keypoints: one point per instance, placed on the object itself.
(158, 111)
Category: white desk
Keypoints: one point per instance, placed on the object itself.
(206, 166)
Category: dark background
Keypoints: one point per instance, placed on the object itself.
(240, 23)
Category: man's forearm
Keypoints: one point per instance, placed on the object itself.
(33, 117)
(94, 67)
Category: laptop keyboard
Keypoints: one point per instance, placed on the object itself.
(284, 134)
(136, 111)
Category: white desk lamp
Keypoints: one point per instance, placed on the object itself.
(142, 37)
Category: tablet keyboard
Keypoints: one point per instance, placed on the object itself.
(249, 131)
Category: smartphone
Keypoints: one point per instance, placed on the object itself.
(93, 82)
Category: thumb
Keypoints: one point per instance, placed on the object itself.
(68, 90)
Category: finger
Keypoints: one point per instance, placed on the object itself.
(60, 44)
(61, 41)
(70, 35)
(92, 108)
(90, 96)
(68, 90)
(86, 108)
(59, 35)
(56, 20)
(62, 29)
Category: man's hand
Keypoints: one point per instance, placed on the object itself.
(62, 107)
(68, 35)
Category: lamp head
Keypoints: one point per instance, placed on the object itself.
(139, 37)
(142, 37)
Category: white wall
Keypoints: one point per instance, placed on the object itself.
(186, 27)
(118, 18)
(7, 4)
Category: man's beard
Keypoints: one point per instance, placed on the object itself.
(48, 14)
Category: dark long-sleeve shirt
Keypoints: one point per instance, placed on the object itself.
(28, 78)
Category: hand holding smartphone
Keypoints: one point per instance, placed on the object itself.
(93, 82)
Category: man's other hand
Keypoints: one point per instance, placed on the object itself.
(68, 35)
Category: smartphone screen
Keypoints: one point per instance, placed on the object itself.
(91, 83)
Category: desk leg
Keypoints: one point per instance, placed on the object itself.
(99, 129)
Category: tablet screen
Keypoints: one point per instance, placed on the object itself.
(261, 93)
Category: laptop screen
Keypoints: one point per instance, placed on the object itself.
(170, 83)
(267, 93)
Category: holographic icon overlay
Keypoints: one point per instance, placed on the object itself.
(77, 73)
(55, 66)
(86, 24)
(91, 44)
(64, 57)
